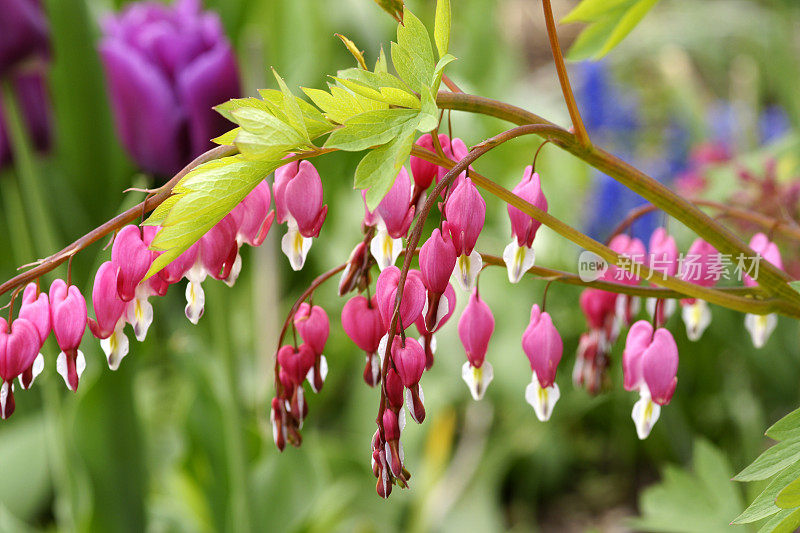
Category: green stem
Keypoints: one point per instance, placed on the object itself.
(239, 509)
(774, 280)
(28, 176)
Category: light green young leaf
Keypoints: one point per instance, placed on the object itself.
(608, 29)
(399, 97)
(380, 63)
(291, 108)
(378, 169)
(764, 504)
(201, 199)
(359, 89)
(372, 128)
(227, 138)
(594, 10)
(315, 121)
(438, 71)
(785, 521)
(441, 27)
(795, 285)
(336, 109)
(428, 115)
(789, 496)
(786, 427)
(257, 147)
(634, 15)
(227, 108)
(353, 49)
(373, 80)
(412, 55)
(160, 213)
(772, 461)
(592, 39)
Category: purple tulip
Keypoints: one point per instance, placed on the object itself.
(23, 33)
(166, 67)
(34, 106)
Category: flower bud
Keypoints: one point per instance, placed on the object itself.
(663, 253)
(361, 321)
(313, 326)
(409, 360)
(437, 259)
(598, 307)
(296, 362)
(391, 429)
(768, 251)
(393, 387)
(132, 257)
(413, 299)
(68, 317)
(631, 248)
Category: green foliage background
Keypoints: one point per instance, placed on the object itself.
(179, 440)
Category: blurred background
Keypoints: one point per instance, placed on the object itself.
(702, 95)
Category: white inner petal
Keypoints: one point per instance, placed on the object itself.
(760, 327)
(384, 248)
(116, 346)
(195, 301)
(645, 414)
(467, 269)
(477, 379)
(543, 400)
(518, 259)
(295, 246)
(236, 269)
(697, 317)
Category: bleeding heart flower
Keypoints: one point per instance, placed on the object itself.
(252, 216)
(131, 255)
(110, 312)
(19, 346)
(394, 217)
(465, 211)
(437, 260)
(761, 327)
(68, 317)
(36, 309)
(362, 322)
(298, 201)
(518, 255)
(543, 346)
(412, 302)
(475, 328)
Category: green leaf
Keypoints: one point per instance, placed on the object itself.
(393, 7)
(353, 49)
(360, 89)
(378, 169)
(227, 138)
(784, 521)
(372, 128)
(764, 504)
(789, 496)
(399, 97)
(795, 285)
(439, 70)
(428, 115)
(412, 55)
(772, 461)
(202, 198)
(610, 24)
(291, 108)
(226, 109)
(315, 121)
(594, 10)
(373, 80)
(786, 427)
(380, 63)
(441, 27)
(700, 501)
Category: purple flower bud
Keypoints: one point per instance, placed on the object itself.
(133, 259)
(437, 259)
(166, 67)
(409, 360)
(475, 328)
(523, 226)
(394, 209)
(313, 326)
(412, 302)
(361, 321)
(465, 211)
(663, 253)
(768, 250)
(24, 31)
(660, 366)
(543, 346)
(253, 217)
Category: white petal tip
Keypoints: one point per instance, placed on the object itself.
(385, 249)
(477, 379)
(645, 414)
(518, 259)
(296, 248)
(543, 400)
(467, 269)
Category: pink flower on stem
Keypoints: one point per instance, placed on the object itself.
(412, 302)
(313, 327)
(424, 172)
(465, 211)
(649, 366)
(19, 346)
(362, 322)
(543, 346)
(133, 258)
(68, 317)
(475, 328)
(591, 361)
(701, 266)
(253, 217)
(298, 202)
(662, 258)
(761, 327)
(437, 260)
(110, 312)
(36, 309)
(394, 217)
(518, 255)
(633, 250)
(409, 359)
